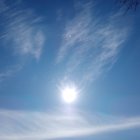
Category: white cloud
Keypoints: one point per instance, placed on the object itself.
(22, 31)
(40, 125)
(21, 35)
(91, 44)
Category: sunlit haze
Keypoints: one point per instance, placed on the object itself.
(69, 94)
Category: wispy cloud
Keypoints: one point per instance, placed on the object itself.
(9, 72)
(91, 42)
(21, 30)
(41, 125)
(21, 35)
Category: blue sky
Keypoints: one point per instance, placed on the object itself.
(48, 45)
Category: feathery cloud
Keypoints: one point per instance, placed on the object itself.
(41, 125)
(21, 30)
(91, 44)
(21, 34)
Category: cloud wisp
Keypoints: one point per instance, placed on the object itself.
(9, 72)
(41, 125)
(21, 30)
(91, 44)
(21, 35)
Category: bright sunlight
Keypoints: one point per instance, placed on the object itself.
(69, 94)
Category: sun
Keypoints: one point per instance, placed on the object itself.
(69, 94)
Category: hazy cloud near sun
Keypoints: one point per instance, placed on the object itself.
(17, 125)
(91, 43)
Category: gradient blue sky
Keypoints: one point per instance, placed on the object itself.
(47, 45)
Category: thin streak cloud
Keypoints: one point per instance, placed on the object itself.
(21, 34)
(21, 30)
(41, 125)
(91, 44)
(9, 72)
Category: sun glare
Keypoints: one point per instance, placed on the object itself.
(69, 94)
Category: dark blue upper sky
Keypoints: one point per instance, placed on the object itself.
(48, 45)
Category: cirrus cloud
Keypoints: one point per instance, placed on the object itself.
(23, 125)
(91, 44)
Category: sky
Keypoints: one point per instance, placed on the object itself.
(48, 47)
